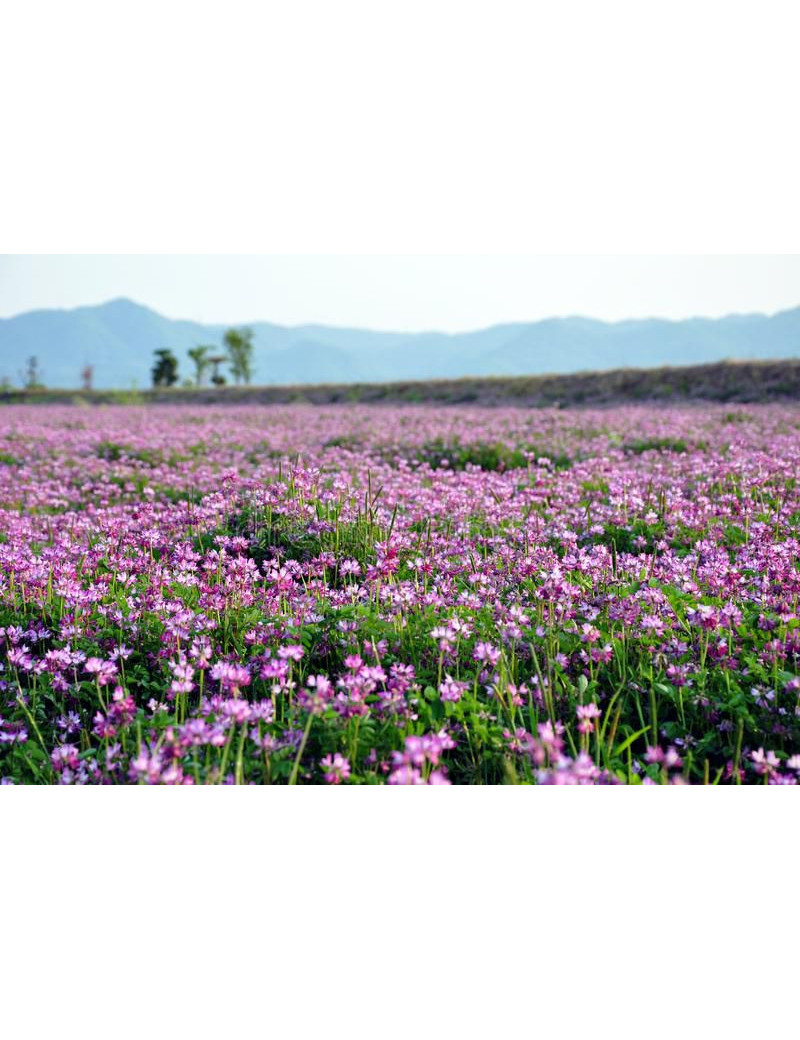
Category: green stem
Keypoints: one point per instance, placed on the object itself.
(300, 750)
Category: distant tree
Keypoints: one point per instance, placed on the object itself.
(239, 344)
(165, 369)
(87, 377)
(31, 376)
(200, 355)
(217, 378)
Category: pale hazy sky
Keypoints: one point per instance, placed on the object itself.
(450, 293)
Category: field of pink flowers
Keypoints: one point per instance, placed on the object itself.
(407, 595)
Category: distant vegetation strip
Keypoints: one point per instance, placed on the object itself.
(735, 381)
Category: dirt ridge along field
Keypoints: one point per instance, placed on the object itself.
(729, 381)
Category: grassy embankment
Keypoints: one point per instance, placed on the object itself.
(742, 381)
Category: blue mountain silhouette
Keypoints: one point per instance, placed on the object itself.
(118, 338)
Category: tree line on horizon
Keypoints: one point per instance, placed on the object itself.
(238, 355)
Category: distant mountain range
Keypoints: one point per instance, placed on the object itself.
(118, 338)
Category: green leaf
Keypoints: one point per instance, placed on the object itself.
(627, 743)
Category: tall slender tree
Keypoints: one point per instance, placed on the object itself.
(31, 376)
(200, 356)
(239, 345)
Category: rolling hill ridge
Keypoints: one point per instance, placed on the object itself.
(118, 338)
